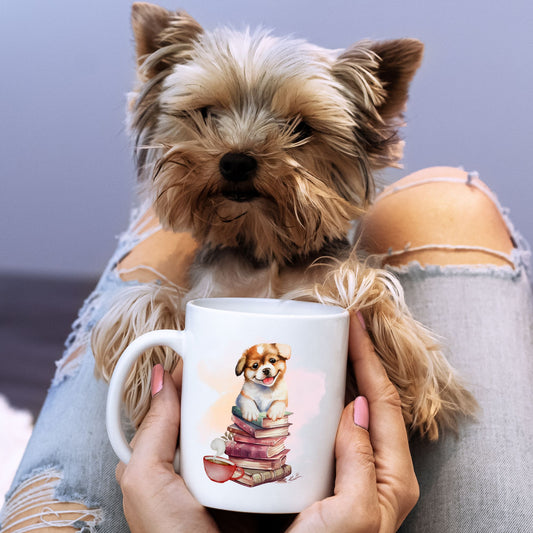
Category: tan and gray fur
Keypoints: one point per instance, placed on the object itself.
(264, 149)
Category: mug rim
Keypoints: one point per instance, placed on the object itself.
(295, 308)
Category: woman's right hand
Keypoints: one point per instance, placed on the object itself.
(375, 484)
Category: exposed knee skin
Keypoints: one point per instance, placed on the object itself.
(441, 213)
(160, 262)
(163, 252)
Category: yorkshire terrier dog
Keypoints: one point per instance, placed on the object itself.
(263, 149)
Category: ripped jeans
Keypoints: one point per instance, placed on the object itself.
(480, 480)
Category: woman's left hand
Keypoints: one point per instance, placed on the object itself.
(155, 498)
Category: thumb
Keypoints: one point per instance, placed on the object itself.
(355, 463)
(157, 437)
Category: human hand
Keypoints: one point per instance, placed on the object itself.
(375, 484)
(155, 498)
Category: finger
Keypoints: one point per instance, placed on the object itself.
(119, 471)
(157, 436)
(387, 429)
(355, 462)
(177, 375)
(372, 380)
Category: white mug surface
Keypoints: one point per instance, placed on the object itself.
(262, 394)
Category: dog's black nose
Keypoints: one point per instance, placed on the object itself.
(266, 371)
(237, 167)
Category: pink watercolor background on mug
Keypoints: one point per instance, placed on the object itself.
(306, 390)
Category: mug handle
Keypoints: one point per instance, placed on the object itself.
(163, 337)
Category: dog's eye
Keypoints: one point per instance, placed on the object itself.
(301, 130)
(177, 114)
(255, 366)
(272, 360)
(206, 112)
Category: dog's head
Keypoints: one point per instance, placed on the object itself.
(264, 364)
(265, 143)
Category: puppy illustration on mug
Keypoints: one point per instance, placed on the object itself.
(255, 440)
(264, 388)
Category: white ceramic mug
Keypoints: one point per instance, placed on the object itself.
(263, 391)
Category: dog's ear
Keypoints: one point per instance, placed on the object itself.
(284, 350)
(148, 21)
(376, 76)
(379, 73)
(154, 27)
(398, 59)
(241, 364)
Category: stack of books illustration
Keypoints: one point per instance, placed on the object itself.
(258, 447)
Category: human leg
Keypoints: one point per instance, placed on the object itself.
(463, 270)
(66, 480)
(439, 216)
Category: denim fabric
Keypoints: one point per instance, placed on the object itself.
(69, 440)
(481, 480)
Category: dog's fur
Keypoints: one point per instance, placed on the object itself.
(264, 149)
(264, 388)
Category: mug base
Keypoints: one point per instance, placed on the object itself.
(248, 521)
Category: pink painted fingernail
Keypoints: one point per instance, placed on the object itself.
(361, 319)
(360, 412)
(157, 379)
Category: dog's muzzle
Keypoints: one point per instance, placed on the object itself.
(237, 167)
(268, 378)
(238, 171)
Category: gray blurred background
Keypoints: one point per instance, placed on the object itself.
(65, 167)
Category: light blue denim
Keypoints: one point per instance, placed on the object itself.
(481, 480)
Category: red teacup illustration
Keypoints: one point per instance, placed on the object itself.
(221, 470)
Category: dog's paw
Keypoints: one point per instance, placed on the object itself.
(276, 410)
(250, 412)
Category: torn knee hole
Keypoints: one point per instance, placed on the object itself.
(164, 256)
(140, 273)
(70, 361)
(34, 507)
(437, 223)
(441, 254)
